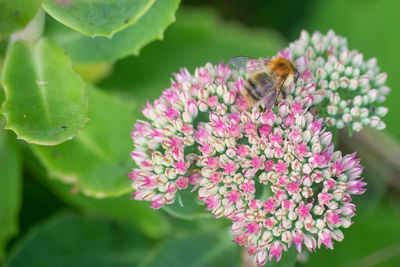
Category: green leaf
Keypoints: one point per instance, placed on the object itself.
(68, 240)
(15, 14)
(97, 18)
(206, 249)
(97, 160)
(93, 73)
(10, 188)
(33, 31)
(150, 222)
(45, 100)
(197, 37)
(186, 206)
(83, 49)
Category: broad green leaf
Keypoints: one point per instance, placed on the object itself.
(93, 73)
(371, 27)
(97, 160)
(186, 206)
(33, 31)
(2, 95)
(38, 203)
(197, 37)
(97, 18)
(15, 14)
(68, 240)
(45, 100)
(207, 249)
(83, 49)
(150, 222)
(373, 240)
(10, 188)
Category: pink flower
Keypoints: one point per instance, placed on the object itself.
(233, 196)
(269, 205)
(252, 228)
(213, 163)
(248, 187)
(229, 168)
(275, 251)
(181, 166)
(182, 182)
(304, 210)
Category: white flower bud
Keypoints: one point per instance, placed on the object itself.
(330, 121)
(374, 121)
(342, 104)
(364, 112)
(373, 95)
(357, 126)
(381, 111)
(318, 209)
(353, 84)
(332, 110)
(333, 85)
(339, 124)
(381, 125)
(320, 224)
(380, 79)
(347, 118)
(346, 222)
(355, 112)
(320, 73)
(357, 60)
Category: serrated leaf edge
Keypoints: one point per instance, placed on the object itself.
(109, 35)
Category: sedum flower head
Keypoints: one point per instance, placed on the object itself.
(346, 90)
(277, 177)
(273, 173)
(163, 145)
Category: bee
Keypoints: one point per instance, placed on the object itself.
(266, 79)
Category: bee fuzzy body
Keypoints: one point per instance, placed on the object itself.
(265, 79)
(282, 68)
(253, 89)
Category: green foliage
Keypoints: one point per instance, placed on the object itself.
(150, 222)
(10, 188)
(97, 18)
(45, 100)
(186, 206)
(15, 14)
(191, 42)
(83, 49)
(97, 160)
(204, 249)
(68, 240)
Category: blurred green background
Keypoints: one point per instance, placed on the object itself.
(56, 221)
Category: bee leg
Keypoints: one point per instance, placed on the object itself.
(283, 93)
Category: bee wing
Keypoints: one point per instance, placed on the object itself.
(271, 93)
(270, 99)
(247, 64)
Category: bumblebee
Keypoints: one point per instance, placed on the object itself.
(266, 79)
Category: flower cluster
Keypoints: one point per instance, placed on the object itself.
(164, 164)
(345, 89)
(276, 176)
(273, 173)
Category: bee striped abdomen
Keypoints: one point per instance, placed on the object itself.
(250, 94)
